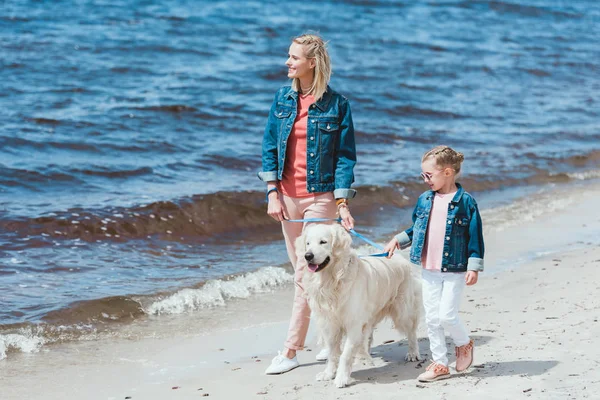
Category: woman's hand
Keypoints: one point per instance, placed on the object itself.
(275, 208)
(391, 247)
(347, 220)
(471, 277)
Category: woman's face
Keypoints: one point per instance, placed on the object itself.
(298, 65)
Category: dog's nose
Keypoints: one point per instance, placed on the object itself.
(309, 256)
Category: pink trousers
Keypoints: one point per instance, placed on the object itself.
(319, 206)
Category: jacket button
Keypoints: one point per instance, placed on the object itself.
(449, 222)
(312, 172)
(312, 154)
(312, 138)
(328, 126)
(446, 254)
(447, 237)
(452, 206)
(313, 121)
(312, 188)
(445, 269)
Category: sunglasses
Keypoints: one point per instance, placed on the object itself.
(426, 176)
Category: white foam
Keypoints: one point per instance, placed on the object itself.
(216, 292)
(526, 209)
(21, 342)
(585, 175)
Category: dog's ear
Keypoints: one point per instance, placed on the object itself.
(341, 241)
(301, 245)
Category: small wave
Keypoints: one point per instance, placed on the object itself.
(172, 18)
(236, 163)
(529, 11)
(115, 173)
(224, 216)
(419, 88)
(44, 121)
(584, 175)
(216, 293)
(175, 108)
(26, 178)
(20, 342)
(537, 72)
(98, 318)
(116, 308)
(411, 111)
(276, 76)
(69, 90)
(524, 209)
(130, 70)
(30, 338)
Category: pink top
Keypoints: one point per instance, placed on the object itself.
(434, 240)
(293, 182)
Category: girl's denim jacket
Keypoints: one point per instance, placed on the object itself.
(330, 148)
(463, 241)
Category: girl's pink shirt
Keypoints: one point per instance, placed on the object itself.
(436, 231)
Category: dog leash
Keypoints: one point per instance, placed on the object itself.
(372, 243)
(352, 231)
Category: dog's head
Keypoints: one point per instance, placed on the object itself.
(321, 244)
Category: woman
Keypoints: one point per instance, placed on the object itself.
(308, 158)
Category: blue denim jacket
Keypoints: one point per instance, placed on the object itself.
(330, 149)
(463, 244)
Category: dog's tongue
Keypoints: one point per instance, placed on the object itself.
(313, 267)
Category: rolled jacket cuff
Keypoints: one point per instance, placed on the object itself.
(267, 176)
(344, 193)
(475, 264)
(403, 240)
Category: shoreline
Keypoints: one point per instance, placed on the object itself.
(535, 336)
(116, 308)
(505, 312)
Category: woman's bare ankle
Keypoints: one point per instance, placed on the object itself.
(289, 353)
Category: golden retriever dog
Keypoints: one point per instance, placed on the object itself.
(349, 295)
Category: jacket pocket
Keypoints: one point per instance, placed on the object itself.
(282, 111)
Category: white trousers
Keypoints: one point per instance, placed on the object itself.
(441, 297)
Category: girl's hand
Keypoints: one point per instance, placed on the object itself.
(391, 247)
(347, 220)
(275, 208)
(471, 277)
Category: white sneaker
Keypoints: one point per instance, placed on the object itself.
(323, 354)
(281, 364)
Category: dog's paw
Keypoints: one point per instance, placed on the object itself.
(412, 357)
(324, 376)
(342, 380)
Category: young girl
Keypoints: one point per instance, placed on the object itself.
(447, 241)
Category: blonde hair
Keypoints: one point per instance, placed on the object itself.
(315, 47)
(445, 156)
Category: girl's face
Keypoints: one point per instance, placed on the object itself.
(435, 176)
(298, 65)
